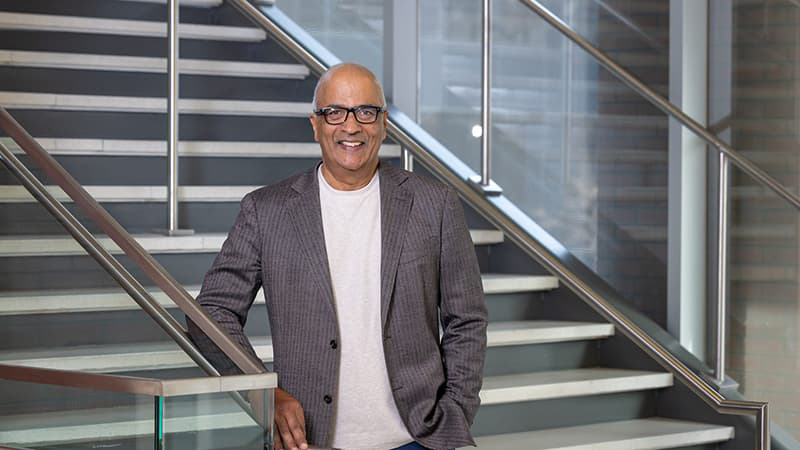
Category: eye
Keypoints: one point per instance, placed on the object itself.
(335, 113)
(366, 113)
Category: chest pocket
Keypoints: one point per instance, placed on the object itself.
(417, 248)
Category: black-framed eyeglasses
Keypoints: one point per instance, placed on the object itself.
(335, 115)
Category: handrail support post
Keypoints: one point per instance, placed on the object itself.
(483, 183)
(173, 113)
(722, 268)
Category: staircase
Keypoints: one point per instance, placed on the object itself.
(87, 79)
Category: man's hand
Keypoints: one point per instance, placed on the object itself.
(290, 423)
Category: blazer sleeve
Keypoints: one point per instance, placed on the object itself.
(463, 312)
(230, 287)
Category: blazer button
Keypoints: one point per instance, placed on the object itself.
(327, 399)
(334, 345)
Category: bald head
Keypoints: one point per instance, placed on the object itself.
(347, 70)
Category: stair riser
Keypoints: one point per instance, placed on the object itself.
(498, 419)
(98, 328)
(264, 51)
(68, 272)
(128, 10)
(152, 171)
(32, 219)
(152, 126)
(140, 84)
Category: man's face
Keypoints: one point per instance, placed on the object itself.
(349, 149)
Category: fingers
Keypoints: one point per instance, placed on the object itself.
(292, 434)
(289, 422)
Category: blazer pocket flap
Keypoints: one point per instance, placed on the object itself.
(416, 248)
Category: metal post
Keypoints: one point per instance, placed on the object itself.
(408, 160)
(172, 118)
(158, 423)
(269, 419)
(722, 268)
(486, 85)
(484, 182)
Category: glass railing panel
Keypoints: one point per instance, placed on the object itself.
(585, 157)
(525, 53)
(351, 29)
(37, 416)
(764, 311)
(753, 73)
(753, 49)
(214, 421)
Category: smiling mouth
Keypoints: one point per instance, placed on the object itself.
(351, 145)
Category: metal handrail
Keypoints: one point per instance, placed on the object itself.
(664, 105)
(128, 244)
(515, 224)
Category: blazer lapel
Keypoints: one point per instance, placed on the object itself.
(396, 203)
(306, 216)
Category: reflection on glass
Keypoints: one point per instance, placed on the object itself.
(754, 49)
(574, 148)
(214, 421)
(351, 29)
(54, 417)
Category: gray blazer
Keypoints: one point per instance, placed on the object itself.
(429, 273)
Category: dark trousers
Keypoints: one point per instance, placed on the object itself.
(412, 446)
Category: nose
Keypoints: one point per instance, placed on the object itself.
(350, 124)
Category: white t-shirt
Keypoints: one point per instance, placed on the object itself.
(365, 416)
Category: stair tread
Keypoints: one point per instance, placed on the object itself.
(49, 245)
(86, 300)
(531, 386)
(85, 61)
(131, 104)
(161, 355)
(649, 433)
(120, 27)
(226, 149)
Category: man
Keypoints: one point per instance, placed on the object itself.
(360, 263)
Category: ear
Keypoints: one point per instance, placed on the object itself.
(313, 119)
(385, 122)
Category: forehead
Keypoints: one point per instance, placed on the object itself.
(349, 88)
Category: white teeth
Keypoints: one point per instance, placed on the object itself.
(351, 144)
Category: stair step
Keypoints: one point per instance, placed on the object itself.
(134, 194)
(568, 383)
(117, 357)
(522, 332)
(82, 61)
(154, 243)
(86, 300)
(510, 283)
(158, 105)
(166, 355)
(650, 433)
(75, 24)
(224, 149)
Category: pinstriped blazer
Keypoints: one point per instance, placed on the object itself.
(429, 274)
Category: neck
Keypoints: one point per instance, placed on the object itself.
(346, 181)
